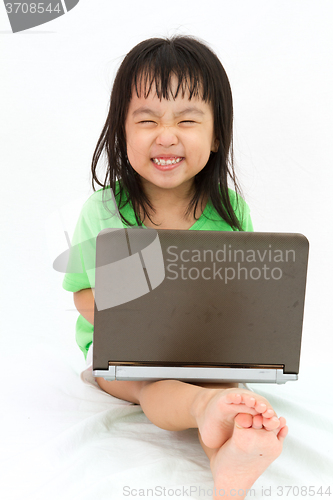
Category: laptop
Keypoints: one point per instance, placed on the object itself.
(199, 306)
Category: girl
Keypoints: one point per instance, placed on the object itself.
(168, 140)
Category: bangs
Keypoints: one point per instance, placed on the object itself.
(155, 72)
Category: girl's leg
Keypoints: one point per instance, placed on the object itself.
(175, 405)
(237, 429)
(166, 403)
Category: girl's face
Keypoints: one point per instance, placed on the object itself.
(169, 141)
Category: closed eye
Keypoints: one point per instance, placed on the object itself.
(151, 121)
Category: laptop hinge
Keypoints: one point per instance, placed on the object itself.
(197, 374)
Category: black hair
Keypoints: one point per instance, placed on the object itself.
(148, 67)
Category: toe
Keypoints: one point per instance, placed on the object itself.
(283, 421)
(261, 407)
(269, 413)
(271, 424)
(243, 420)
(282, 430)
(249, 400)
(233, 398)
(257, 422)
(282, 433)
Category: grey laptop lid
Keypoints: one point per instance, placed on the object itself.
(199, 305)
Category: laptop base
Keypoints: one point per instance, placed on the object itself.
(197, 374)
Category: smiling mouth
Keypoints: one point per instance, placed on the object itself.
(167, 162)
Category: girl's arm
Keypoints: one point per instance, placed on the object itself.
(84, 303)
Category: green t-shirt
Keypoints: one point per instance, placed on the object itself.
(94, 217)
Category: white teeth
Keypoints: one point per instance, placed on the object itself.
(166, 162)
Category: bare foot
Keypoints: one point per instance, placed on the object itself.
(246, 455)
(215, 410)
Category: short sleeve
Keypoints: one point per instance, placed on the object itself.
(246, 220)
(98, 213)
(242, 211)
(81, 255)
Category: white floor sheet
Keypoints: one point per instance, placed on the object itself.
(63, 439)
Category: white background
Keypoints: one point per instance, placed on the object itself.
(55, 86)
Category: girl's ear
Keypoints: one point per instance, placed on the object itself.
(215, 145)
